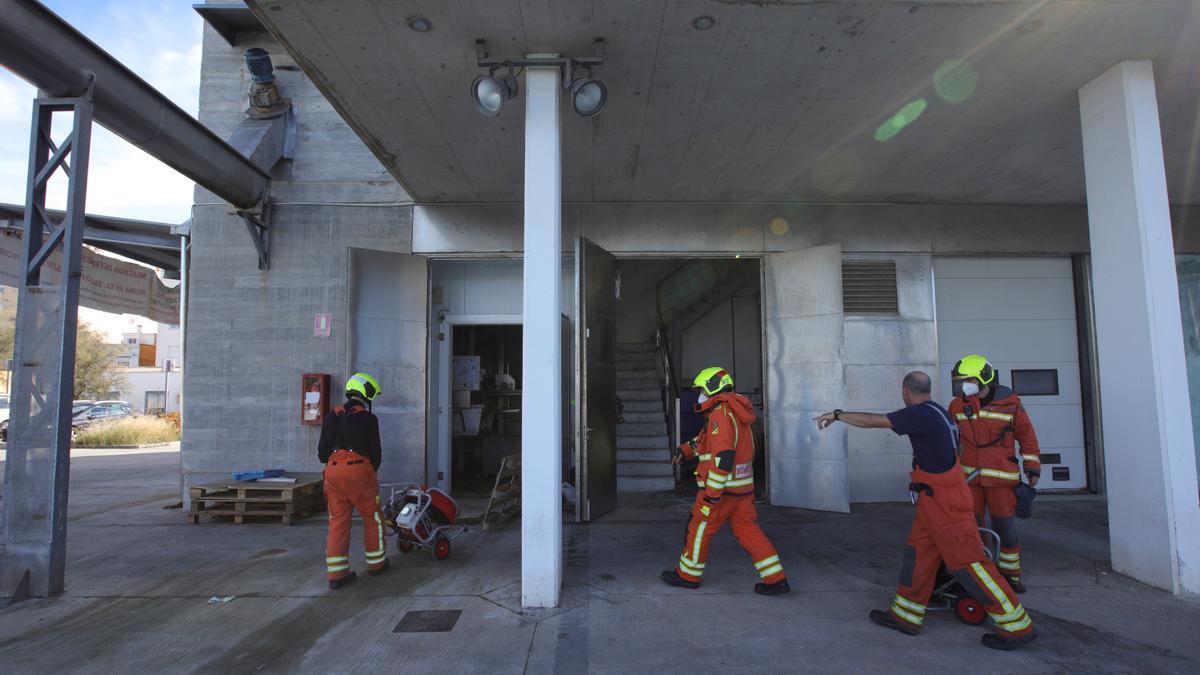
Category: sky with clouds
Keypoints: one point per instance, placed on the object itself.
(160, 41)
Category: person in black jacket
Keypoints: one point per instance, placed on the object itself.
(350, 450)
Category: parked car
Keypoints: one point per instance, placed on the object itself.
(80, 411)
(4, 418)
(86, 413)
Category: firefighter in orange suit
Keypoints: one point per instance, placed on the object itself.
(992, 423)
(944, 528)
(349, 448)
(725, 474)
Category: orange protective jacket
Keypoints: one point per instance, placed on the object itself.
(990, 435)
(725, 447)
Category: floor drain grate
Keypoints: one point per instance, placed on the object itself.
(428, 621)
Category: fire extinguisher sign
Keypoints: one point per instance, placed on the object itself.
(322, 325)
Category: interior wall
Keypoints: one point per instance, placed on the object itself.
(637, 320)
(729, 336)
(476, 287)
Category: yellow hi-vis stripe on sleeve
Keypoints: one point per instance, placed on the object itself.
(1032, 458)
(967, 469)
(998, 594)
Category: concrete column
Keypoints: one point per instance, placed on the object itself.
(1154, 517)
(541, 437)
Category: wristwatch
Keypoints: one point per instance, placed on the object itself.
(837, 414)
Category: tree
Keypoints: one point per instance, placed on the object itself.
(95, 365)
(95, 361)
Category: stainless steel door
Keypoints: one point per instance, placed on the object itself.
(802, 314)
(389, 308)
(595, 380)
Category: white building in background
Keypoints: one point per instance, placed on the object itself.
(152, 365)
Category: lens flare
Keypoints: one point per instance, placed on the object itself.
(955, 81)
(779, 227)
(896, 123)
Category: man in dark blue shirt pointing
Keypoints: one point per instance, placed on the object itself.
(944, 529)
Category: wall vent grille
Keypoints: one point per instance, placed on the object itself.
(869, 287)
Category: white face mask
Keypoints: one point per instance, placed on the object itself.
(970, 389)
(702, 398)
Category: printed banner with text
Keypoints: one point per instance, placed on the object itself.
(107, 284)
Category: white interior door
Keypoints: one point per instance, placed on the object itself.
(802, 316)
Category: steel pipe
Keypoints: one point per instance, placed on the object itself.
(55, 57)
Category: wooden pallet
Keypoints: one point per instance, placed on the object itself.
(506, 495)
(245, 501)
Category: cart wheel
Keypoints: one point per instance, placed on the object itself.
(969, 610)
(441, 549)
(404, 546)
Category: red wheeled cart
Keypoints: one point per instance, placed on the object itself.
(423, 517)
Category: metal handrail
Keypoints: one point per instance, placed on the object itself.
(669, 386)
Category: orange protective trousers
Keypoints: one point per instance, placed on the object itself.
(739, 512)
(1000, 503)
(350, 484)
(944, 530)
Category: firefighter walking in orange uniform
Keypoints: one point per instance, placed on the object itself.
(725, 474)
(350, 449)
(992, 423)
(944, 528)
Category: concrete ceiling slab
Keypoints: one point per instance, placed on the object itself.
(777, 102)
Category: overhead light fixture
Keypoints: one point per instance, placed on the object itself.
(419, 24)
(588, 95)
(703, 22)
(490, 92)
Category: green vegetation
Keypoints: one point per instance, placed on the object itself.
(129, 431)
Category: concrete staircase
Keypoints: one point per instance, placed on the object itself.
(643, 446)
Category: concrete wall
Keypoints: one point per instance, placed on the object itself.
(250, 333)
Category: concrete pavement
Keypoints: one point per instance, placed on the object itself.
(140, 579)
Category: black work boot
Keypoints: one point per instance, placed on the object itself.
(1015, 584)
(1007, 642)
(335, 584)
(376, 572)
(672, 577)
(884, 618)
(777, 588)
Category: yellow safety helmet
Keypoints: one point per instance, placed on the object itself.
(363, 385)
(713, 381)
(976, 366)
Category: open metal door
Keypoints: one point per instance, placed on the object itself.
(802, 315)
(388, 339)
(595, 380)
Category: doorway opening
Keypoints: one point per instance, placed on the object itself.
(485, 404)
(675, 317)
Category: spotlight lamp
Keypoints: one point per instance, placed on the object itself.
(490, 92)
(588, 94)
